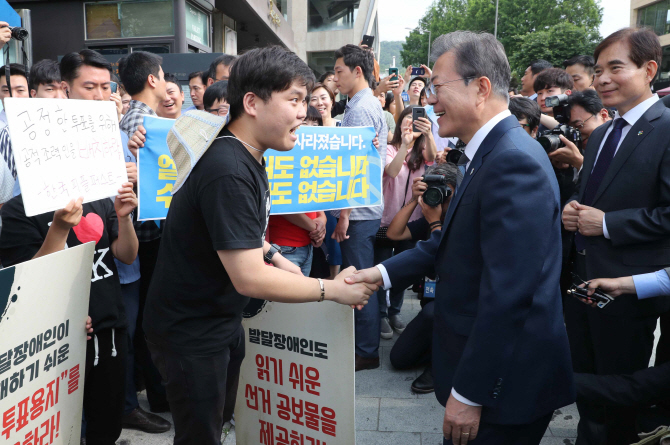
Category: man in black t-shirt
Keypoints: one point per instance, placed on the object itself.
(211, 256)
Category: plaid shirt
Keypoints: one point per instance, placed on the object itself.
(146, 230)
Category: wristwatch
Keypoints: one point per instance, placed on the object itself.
(273, 249)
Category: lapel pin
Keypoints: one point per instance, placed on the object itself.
(472, 171)
(639, 133)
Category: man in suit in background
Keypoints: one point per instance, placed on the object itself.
(501, 359)
(621, 214)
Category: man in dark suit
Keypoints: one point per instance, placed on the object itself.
(501, 360)
(621, 214)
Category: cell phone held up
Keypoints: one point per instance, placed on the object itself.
(417, 112)
(418, 71)
(113, 86)
(393, 73)
(368, 40)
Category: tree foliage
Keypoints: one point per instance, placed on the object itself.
(516, 19)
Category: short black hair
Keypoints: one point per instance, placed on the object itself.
(42, 73)
(15, 69)
(325, 75)
(524, 108)
(553, 78)
(354, 56)
(224, 59)
(216, 92)
(169, 77)
(314, 115)
(72, 62)
(263, 71)
(415, 79)
(197, 74)
(135, 69)
(588, 100)
(539, 65)
(584, 60)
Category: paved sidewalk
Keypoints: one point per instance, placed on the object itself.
(387, 412)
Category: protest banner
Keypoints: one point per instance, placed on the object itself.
(64, 149)
(44, 305)
(157, 171)
(297, 379)
(329, 168)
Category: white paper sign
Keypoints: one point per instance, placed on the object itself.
(44, 303)
(297, 378)
(64, 149)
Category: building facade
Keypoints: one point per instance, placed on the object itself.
(655, 15)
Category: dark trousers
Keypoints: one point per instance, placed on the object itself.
(144, 367)
(104, 386)
(131, 300)
(358, 251)
(602, 344)
(530, 434)
(413, 347)
(383, 251)
(201, 390)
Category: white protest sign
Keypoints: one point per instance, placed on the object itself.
(64, 149)
(43, 347)
(297, 378)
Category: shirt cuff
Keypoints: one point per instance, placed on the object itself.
(385, 277)
(652, 284)
(462, 399)
(606, 234)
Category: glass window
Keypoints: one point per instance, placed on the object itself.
(327, 15)
(321, 61)
(197, 25)
(655, 17)
(113, 20)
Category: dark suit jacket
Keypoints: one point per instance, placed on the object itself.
(499, 337)
(635, 196)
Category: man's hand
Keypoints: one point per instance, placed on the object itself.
(386, 84)
(612, 286)
(570, 216)
(375, 141)
(89, 327)
(399, 88)
(431, 214)
(5, 33)
(370, 277)
(282, 263)
(343, 291)
(441, 157)
(69, 216)
(429, 73)
(125, 201)
(590, 221)
(340, 232)
(408, 74)
(418, 187)
(567, 155)
(461, 421)
(137, 140)
(131, 171)
(318, 234)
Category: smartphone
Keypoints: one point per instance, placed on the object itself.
(418, 71)
(113, 86)
(368, 40)
(393, 72)
(417, 112)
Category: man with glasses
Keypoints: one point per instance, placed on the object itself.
(215, 99)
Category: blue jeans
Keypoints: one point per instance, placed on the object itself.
(300, 256)
(131, 300)
(359, 251)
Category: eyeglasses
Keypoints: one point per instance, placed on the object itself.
(221, 111)
(431, 89)
(580, 125)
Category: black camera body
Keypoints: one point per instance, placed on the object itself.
(437, 190)
(550, 140)
(18, 33)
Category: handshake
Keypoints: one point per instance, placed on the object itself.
(354, 287)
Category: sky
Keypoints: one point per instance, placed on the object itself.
(396, 15)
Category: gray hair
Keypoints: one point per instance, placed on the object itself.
(477, 54)
(448, 170)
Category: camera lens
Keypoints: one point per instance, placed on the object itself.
(550, 142)
(19, 33)
(433, 197)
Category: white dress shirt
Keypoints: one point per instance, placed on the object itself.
(631, 116)
(470, 152)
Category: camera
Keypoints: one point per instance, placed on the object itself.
(18, 33)
(550, 140)
(437, 190)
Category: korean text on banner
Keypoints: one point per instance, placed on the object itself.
(297, 379)
(329, 168)
(44, 303)
(64, 149)
(157, 171)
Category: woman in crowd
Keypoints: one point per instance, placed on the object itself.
(414, 90)
(407, 155)
(423, 100)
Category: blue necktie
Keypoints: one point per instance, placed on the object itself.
(599, 171)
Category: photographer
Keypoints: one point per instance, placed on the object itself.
(413, 347)
(527, 112)
(551, 82)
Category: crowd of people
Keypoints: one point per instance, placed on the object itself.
(516, 229)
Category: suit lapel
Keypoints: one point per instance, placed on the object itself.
(487, 145)
(637, 134)
(590, 157)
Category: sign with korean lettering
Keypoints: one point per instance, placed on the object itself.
(157, 171)
(329, 168)
(297, 379)
(44, 304)
(64, 149)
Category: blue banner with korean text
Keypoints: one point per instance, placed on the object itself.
(329, 168)
(157, 171)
